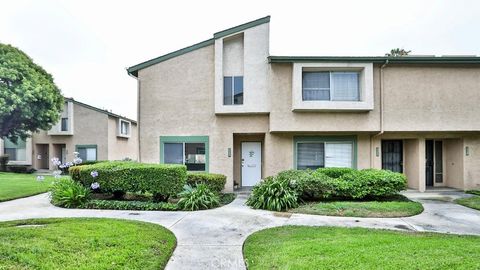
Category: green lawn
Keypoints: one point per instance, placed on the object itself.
(19, 185)
(395, 208)
(472, 202)
(300, 247)
(85, 243)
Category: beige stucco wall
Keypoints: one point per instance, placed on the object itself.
(255, 71)
(431, 98)
(90, 128)
(120, 147)
(282, 119)
(471, 163)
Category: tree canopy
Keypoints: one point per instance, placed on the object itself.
(398, 52)
(29, 99)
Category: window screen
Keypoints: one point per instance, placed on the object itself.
(326, 85)
(310, 156)
(173, 153)
(316, 85)
(338, 155)
(233, 90)
(345, 86)
(87, 153)
(64, 124)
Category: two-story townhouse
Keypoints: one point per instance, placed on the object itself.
(225, 105)
(94, 133)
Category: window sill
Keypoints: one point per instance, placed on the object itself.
(123, 136)
(333, 106)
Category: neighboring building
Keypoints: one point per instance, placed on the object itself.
(225, 105)
(94, 133)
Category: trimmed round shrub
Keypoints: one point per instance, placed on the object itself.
(309, 185)
(335, 172)
(370, 183)
(67, 193)
(214, 181)
(198, 198)
(161, 180)
(273, 194)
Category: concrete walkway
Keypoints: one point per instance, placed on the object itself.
(212, 239)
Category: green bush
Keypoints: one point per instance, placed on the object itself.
(335, 172)
(198, 198)
(473, 191)
(273, 194)
(68, 193)
(130, 205)
(215, 182)
(3, 163)
(309, 185)
(20, 169)
(161, 180)
(370, 183)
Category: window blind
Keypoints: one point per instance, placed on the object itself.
(338, 155)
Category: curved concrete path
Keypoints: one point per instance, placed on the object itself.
(212, 239)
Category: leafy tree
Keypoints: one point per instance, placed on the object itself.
(398, 52)
(29, 99)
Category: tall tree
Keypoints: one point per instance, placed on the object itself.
(29, 99)
(398, 52)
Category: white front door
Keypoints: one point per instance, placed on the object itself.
(251, 163)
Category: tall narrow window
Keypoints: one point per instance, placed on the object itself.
(329, 85)
(64, 124)
(233, 90)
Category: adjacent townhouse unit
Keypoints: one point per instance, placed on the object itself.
(94, 133)
(225, 105)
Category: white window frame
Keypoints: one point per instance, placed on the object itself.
(119, 131)
(366, 94)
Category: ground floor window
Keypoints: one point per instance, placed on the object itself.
(320, 152)
(192, 151)
(87, 152)
(15, 151)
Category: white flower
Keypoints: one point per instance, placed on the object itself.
(56, 161)
(40, 178)
(94, 174)
(57, 174)
(95, 185)
(77, 160)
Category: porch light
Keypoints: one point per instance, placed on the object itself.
(467, 151)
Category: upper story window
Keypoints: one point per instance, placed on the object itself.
(233, 90)
(335, 87)
(64, 124)
(329, 85)
(124, 128)
(15, 151)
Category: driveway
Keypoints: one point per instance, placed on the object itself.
(212, 239)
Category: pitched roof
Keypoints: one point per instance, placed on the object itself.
(99, 110)
(133, 70)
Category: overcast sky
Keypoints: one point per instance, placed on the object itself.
(86, 45)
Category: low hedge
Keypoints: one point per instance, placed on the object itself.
(370, 183)
(328, 183)
(214, 181)
(161, 180)
(130, 205)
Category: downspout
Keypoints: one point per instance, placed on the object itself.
(381, 112)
